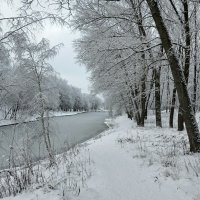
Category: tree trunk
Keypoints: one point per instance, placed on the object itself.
(187, 59)
(143, 102)
(179, 78)
(171, 117)
(180, 119)
(128, 112)
(129, 115)
(195, 60)
(157, 97)
(168, 91)
(138, 15)
(137, 114)
(45, 132)
(146, 113)
(132, 96)
(149, 94)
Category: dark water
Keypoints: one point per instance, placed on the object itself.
(66, 131)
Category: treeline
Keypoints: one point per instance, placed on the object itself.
(29, 84)
(144, 55)
(72, 99)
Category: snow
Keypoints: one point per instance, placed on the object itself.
(134, 163)
(24, 118)
(124, 173)
(62, 113)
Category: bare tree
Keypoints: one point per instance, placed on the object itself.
(33, 62)
(180, 81)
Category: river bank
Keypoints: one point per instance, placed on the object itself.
(65, 132)
(130, 162)
(28, 118)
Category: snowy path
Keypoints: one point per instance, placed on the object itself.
(117, 176)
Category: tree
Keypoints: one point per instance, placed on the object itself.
(180, 81)
(130, 34)
(33, 64)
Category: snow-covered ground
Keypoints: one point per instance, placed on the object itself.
(131, 163)
(27, 118)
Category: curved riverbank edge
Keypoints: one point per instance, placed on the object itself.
(33, 119)
(105, 127)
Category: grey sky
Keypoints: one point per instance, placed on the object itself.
(64, 63)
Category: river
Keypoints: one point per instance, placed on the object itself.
(66, 131)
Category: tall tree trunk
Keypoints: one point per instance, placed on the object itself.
(132, 96)
(195, 60)
(138, 15)
(180, 119)
(187, 59)
(143, 101)
(157, 97)
(168, 91)
(149, 94)
(179, 78)
(128, 112)
(171, 117)
(137, 115)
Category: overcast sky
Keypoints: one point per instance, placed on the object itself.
(64, 63)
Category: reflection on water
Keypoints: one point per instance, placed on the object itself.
(19, 141)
